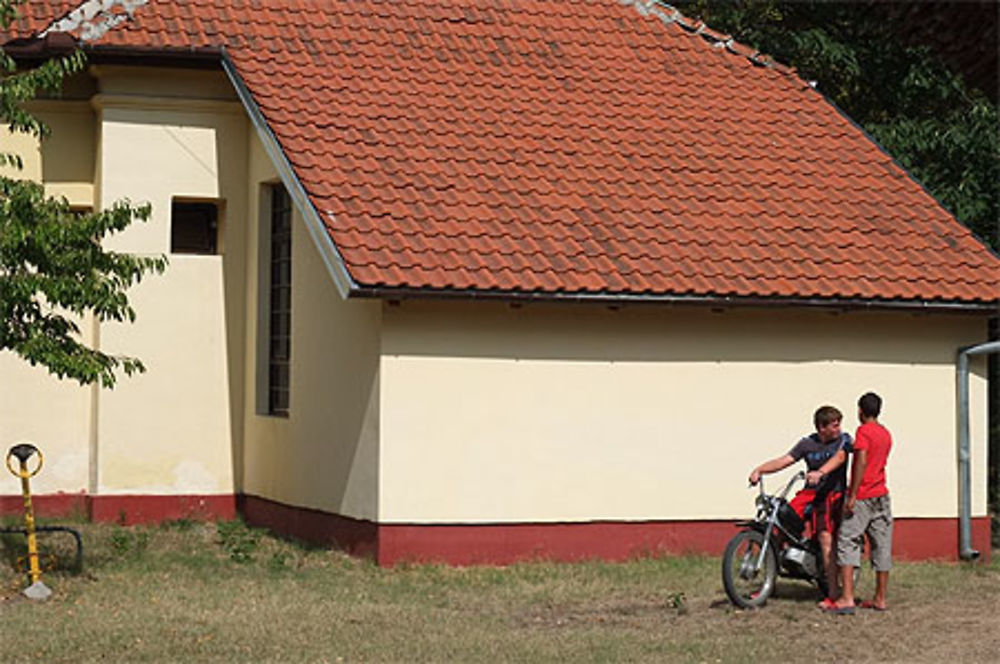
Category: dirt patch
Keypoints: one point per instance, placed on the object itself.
(927, 622)
(631, 613)
(9, 598)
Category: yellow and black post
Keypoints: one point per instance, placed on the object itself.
(23, 452)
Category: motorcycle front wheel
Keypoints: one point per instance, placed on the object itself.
(748, 585)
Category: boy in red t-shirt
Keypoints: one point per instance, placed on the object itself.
(867, 509)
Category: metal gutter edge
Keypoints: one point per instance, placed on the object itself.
(332, 259)
(56, 44)
(613, 299)
(965, 550)
(194, 58)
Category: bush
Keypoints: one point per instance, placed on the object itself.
(239, 541)
(128, 542)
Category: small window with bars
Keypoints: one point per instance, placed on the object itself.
(194, 227)
(280, 309)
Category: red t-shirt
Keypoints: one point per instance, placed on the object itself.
(876, 439)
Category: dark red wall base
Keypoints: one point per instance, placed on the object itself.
(354, 536)
(501, 544)
(54, 505)
(126, 510)
(465, 544)
(937, 539)
(913, 539)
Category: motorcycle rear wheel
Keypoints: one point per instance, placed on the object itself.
(746, 586)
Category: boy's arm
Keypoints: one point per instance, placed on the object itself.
(832, 464)
(772, 466)
(857, 472)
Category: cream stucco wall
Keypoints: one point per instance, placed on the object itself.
(28, 149)
(174, 429)
(324, 455)
(168, 430)
(68, 155)
(64, 161)
(53, 414)
(544, 413)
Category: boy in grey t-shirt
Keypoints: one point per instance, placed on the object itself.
(825, 496)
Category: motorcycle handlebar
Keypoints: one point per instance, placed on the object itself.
(801, 475)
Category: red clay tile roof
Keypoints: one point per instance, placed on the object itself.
(578, 147)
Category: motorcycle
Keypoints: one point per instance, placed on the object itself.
(771, 545)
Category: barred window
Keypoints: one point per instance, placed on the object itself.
(194, 228)
(280, 310)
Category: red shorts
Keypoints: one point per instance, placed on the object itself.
(825, 515)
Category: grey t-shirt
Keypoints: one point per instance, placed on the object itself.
(816, 453)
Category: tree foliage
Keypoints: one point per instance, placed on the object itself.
(902, 94)
(54, 269)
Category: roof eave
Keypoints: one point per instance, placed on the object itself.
(202, 57)
(620, 299)
(54, 44)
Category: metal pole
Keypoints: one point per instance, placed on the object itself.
(966, 552)
(34, 570)
(22, 452)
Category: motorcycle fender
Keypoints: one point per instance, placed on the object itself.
(752, 525)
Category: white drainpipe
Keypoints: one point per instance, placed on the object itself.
(964, 474)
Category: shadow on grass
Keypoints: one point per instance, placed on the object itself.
(798, 592)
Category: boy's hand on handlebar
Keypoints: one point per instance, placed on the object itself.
(754, 477)
(813, 477)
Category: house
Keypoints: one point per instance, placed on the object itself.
(485, 281)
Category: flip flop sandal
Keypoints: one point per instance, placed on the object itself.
(871, 605)
(840, 610)
(829, 606)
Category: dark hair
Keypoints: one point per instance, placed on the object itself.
(870, 404)
(826, 414)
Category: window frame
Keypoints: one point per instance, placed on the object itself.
(279, 301)
(213, 247)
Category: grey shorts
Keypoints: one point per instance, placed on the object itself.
(874, 517)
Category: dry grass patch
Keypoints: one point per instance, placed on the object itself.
(200, 592)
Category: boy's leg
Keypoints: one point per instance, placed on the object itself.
(827, 511)
(880, 536)
(829, 564)
(846, 586)
(881, 586)
(849, 551)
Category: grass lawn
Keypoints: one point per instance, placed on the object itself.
(207, 592)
